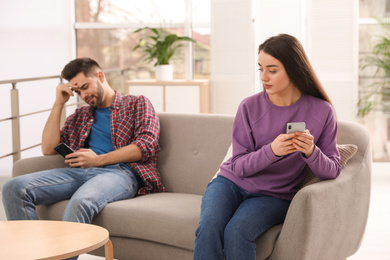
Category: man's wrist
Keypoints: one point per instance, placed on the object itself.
(58, 105)
(100, 160)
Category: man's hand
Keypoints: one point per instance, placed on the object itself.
(63, 93)
(283, 144)
(83, 158)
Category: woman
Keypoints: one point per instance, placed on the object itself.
(255, 186)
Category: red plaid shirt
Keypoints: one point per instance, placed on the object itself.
(133, 121)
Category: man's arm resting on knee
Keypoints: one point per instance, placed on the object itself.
(126, 154)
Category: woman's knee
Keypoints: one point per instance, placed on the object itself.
(208, 228)
(210, 232)
(239, 231)
(239, 242)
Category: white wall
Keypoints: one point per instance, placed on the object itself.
(274, 17)
(237, 29)
(327, 29)
(232, 54)
(332, 42)
(36, 39)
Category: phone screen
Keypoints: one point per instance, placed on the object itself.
(63, 149)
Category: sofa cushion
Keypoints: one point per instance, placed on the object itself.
(192, 147)
(167, 218)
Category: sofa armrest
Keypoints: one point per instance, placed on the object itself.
(327, 220)
(35, 164)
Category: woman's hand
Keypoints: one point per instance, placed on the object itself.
(289, 143)
(304, 142)
(283, 144)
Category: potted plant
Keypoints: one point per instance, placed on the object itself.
(377, 94)
(160, 47)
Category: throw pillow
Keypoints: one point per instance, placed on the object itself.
(347, 151)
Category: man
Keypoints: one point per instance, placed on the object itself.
(115, 140)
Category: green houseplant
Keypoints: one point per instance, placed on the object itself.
(160, 47)
(377, 94)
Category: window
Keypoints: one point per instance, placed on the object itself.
(105, 32)
(387, 8)
(378, 120)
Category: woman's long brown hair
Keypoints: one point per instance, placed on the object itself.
(289, 51)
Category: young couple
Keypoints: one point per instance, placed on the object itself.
(116, 144)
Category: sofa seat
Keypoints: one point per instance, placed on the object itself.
(165, 218)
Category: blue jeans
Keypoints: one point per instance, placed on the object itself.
(89, 191)
(231, 219)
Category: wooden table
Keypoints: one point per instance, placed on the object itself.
(39, 239)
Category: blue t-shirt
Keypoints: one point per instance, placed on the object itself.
(99, 139)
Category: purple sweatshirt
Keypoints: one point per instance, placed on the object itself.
(255, 168)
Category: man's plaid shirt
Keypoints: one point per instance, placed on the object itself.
(133, 121)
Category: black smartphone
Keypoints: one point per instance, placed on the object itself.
(63, 149)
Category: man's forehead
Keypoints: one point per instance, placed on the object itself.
(79, 80)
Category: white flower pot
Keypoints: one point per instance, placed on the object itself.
(164, 72)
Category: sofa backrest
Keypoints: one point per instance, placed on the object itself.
(353, 133)
(357, 134)
(192, 148)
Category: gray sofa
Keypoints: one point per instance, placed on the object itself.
(326, 220)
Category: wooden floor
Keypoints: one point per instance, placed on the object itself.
(376, 242)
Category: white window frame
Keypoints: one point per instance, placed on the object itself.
(187, 25)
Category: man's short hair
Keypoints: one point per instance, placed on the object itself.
(87, 66)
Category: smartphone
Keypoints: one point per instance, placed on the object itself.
(63, 149)
(293, 127)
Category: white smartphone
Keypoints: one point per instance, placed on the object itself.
(293, 127)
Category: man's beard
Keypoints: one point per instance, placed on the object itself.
(98, 97)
